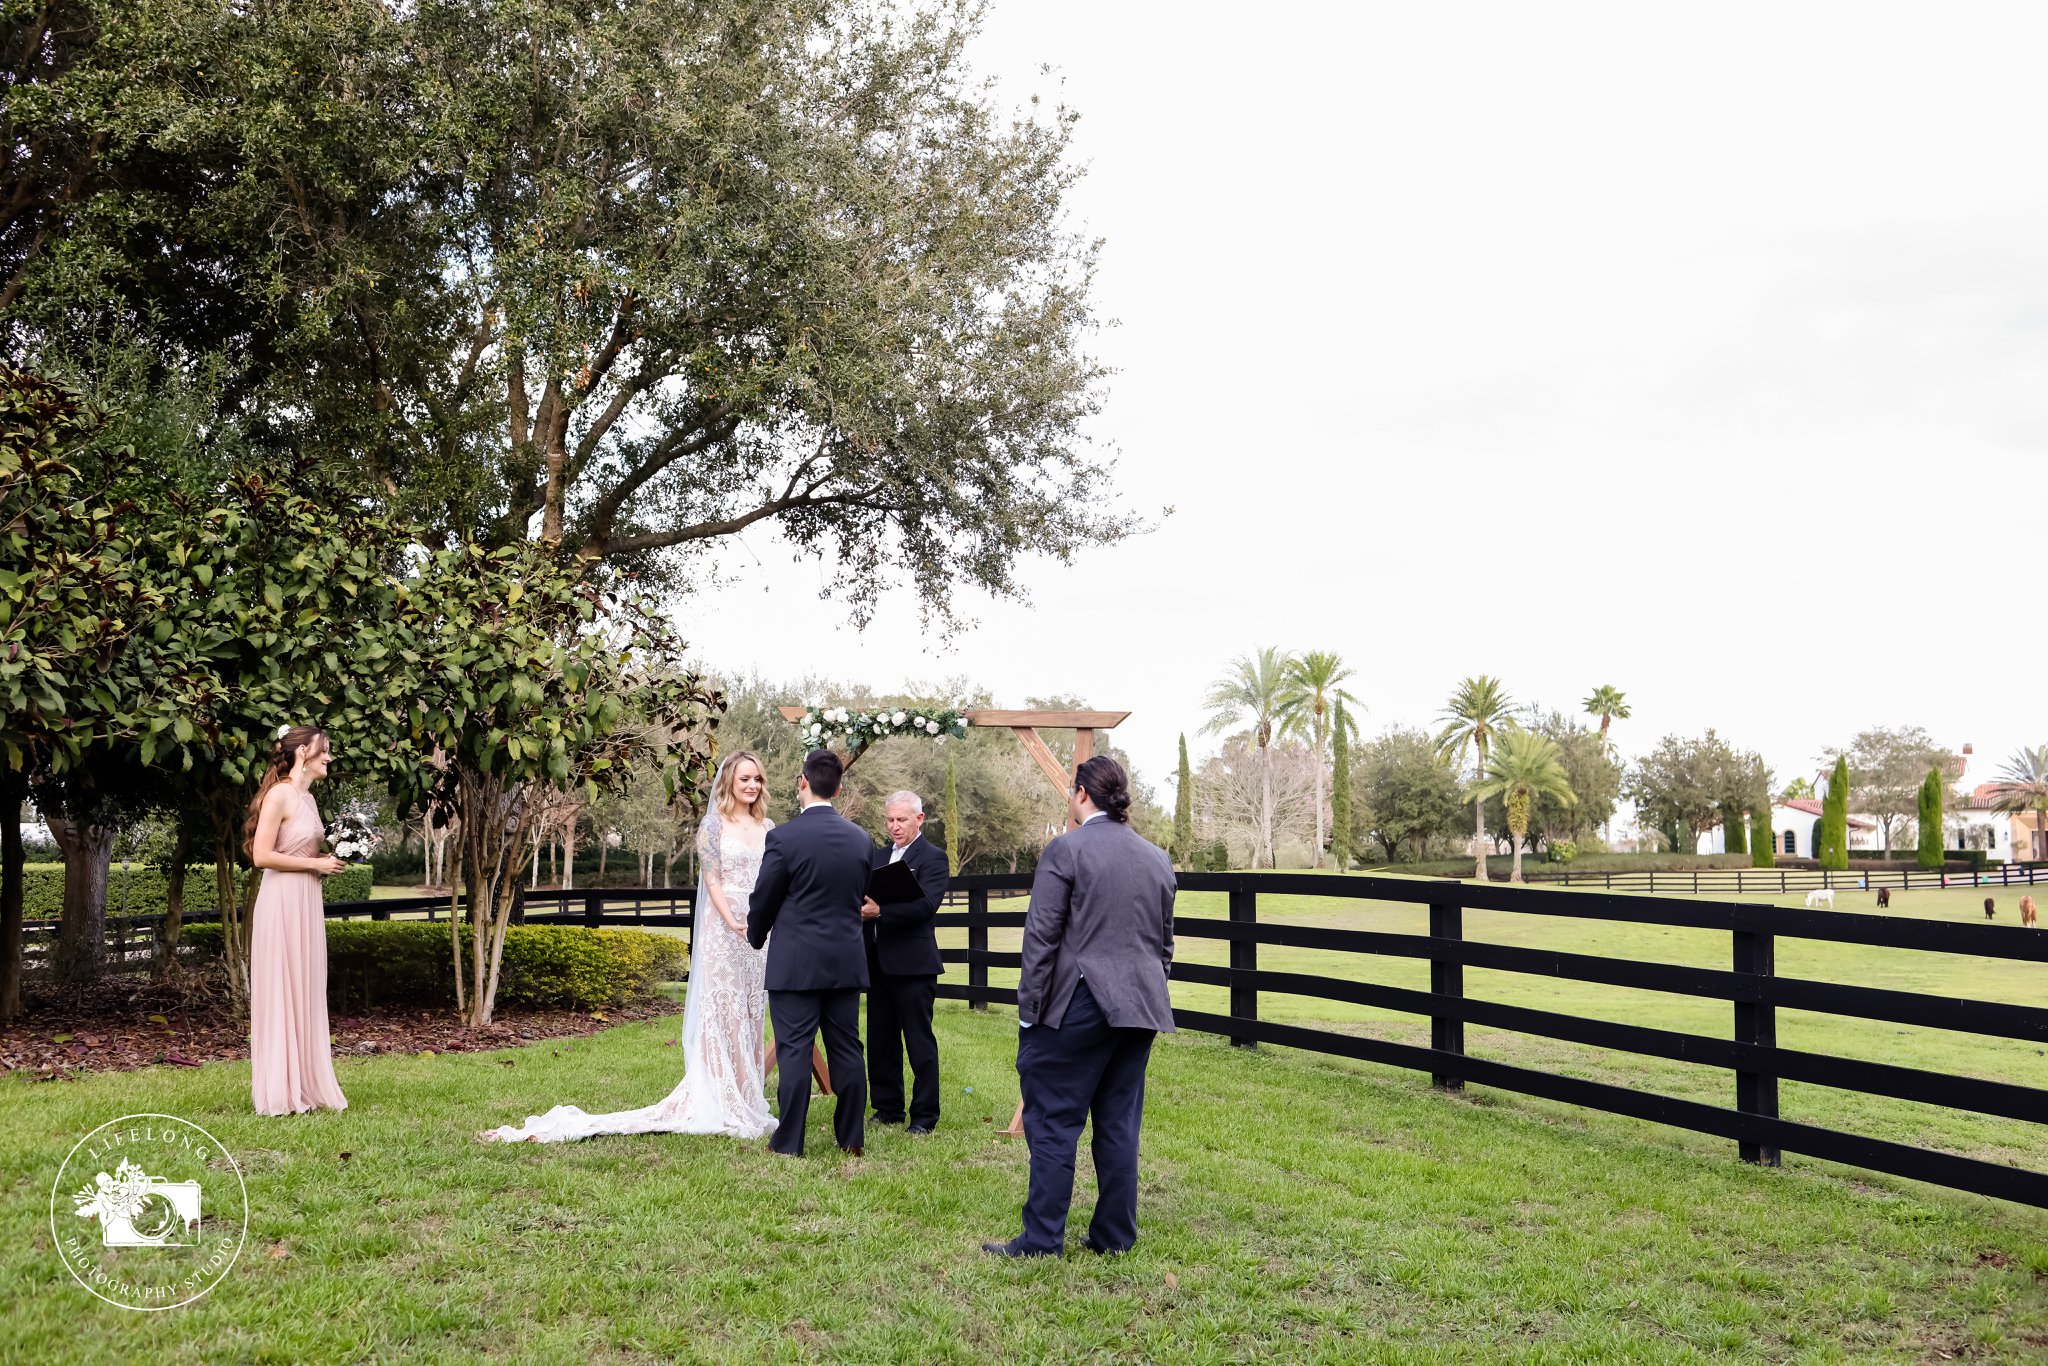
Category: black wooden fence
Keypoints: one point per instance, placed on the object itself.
(1786, 881)
(1750, 984)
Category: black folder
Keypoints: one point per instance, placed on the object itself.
(894, 883)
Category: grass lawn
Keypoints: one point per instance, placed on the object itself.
(1292, 1208)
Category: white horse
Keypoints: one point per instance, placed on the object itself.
(1821, 896)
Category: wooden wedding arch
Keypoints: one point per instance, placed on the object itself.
(1025, 724)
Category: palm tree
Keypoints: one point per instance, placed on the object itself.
(1251, 691)
(1524, 767)
(1608, 703)
(2023, 786)
(1478, 711)
(1306, 710)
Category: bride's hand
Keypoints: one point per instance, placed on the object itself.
(735, 927)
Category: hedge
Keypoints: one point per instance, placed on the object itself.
(389, 962)
(43, 889)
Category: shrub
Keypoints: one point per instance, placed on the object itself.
(408, 963)
(43, 889)
(1219, 857)
(1930, 820)
(1563, 851)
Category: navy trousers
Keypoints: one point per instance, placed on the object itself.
(1083, 1070)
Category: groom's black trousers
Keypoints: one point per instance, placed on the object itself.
(800, 1016)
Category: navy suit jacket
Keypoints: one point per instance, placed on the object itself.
(902, 939)
(814, 874)
(1101, 908)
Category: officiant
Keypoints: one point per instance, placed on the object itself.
(904, 967)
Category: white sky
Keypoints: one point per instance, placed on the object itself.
(1699, 350)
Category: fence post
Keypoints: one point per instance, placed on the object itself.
(593, 908)
(1756, 1093)
(380, 913)
(977, 945)
(1446, 1035)
(1244, 957)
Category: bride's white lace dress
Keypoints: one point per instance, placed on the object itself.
(723, 1019)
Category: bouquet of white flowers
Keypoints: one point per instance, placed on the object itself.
(353, 839)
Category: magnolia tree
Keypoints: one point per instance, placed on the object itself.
(517, 675)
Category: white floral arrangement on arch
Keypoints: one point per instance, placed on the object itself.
(856, 729)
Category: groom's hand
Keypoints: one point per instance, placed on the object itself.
(869, 910)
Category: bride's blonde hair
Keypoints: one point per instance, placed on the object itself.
(723, 794)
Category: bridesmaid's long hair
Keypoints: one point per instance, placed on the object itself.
(726, 799)
(279, 770)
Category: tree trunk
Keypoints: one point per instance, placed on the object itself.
(1272, 859)
(1316, 854)
(11, 891)
(82, 929)
(173, 923)
(1479, 816)
(604, 851)
(569, 853)
(1518, 832)
(668, 866)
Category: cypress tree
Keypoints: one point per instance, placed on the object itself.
(1834, 819)
(1930, 820)
(1763, 840)
(952, 817)
(1184, 811)
(1735, 836)
(1340, 798)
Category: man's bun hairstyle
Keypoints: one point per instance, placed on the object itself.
(822, 770)
(1102, 778)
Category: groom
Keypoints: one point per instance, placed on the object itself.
(814, 873)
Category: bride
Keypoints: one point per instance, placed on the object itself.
(726, 1006)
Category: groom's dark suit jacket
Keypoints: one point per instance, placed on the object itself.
(903, 940)
(814, 873)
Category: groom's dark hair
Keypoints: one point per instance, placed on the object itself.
(822, 770)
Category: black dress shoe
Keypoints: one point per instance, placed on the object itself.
(919, 1129)
(855, 1151)
(884, 1119)
(1013, 1249)
(1105, 1251)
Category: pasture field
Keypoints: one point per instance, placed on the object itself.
(2013, 1060)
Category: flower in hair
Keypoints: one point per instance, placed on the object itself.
(284, 730)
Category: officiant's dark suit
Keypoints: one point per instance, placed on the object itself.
(814, 873)
(903, 975)
(1098, 941)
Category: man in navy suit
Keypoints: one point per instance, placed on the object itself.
(814, 875)
(903, 972)
(1098, 941)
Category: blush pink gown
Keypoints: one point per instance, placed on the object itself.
(291, 1067)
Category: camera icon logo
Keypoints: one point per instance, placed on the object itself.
(149, 1212)
(136, 1209)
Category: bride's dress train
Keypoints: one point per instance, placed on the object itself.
(724, 1016)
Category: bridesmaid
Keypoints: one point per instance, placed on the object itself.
(291, 1068)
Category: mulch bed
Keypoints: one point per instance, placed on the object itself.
(124, 1023)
